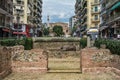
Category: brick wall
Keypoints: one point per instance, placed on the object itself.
(99, 60)
(30, 61)
(16, 59)
(59, 49)
(5, 61)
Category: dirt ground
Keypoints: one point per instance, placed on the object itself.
(64, 64)
(61, 76)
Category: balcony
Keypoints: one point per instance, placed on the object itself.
(39, 14)
(113, 18)
(95, 12)
(111, 3)
(39, 2)
(3, 6)
(83, 13)
(19, 0)
(103, 24)
(95, 20)
(102, 1)
(83, 28)
(19, 3)
(103, 9)
(95, 3)
(84, 2)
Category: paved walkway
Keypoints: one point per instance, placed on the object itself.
(61, 76)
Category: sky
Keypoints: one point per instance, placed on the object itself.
(58, 10)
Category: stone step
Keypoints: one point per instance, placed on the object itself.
(64, 71)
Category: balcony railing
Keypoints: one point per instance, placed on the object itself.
(102, 1)
(95, 3)
(95, 20)
(111, 2)
(3, 7)
(103, 24)
(114, 17)
(95, 12)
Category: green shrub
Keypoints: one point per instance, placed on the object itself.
(11, 42)
(28, 44)
(83, 42)
(113, 45)
(8, 42)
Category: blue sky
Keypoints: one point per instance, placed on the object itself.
(58, 10)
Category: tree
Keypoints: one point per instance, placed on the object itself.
(58, 30)
(46, 31)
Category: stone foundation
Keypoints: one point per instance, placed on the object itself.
(58, 47)
(5, 62)
(30, 61)
(16, 59)
(99, 60)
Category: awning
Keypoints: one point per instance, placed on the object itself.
(6, 30)
(92, 31)
(115, 6)
(1, 26)
(20, 33)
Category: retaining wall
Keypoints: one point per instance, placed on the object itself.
(34, 60)
(58, 47)
(99, 60)
(5, 62)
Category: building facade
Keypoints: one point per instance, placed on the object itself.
(87, 14)
(110, 19)
(6, 17)
(36, 18)
(64, 26)
(29, 12)
(72, 21)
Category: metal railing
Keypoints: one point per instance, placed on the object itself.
(112, 18)
(111, 2)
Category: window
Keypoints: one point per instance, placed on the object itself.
(96, 9)
(96, 17)
(67, 31)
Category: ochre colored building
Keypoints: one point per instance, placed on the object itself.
(64, 25)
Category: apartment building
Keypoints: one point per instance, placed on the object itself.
(6, 17)
(87, 13)
(110, 19)
(19, 11)
(72, 21)
(28, 12)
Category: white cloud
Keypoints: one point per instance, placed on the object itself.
(59, 8)
(61, 15)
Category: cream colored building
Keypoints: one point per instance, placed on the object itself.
(20, 11)
(28, 12)
(87, 14)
